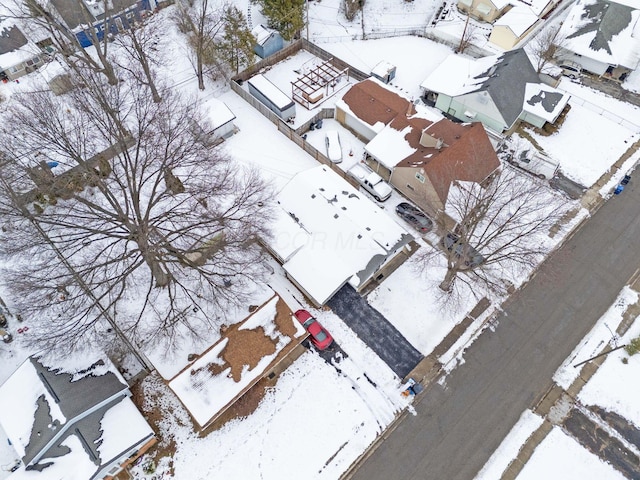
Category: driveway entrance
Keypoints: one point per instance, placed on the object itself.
(375, 330)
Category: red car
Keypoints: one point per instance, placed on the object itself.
(319, 335)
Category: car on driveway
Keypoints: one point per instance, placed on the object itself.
(415, 217)
(472, 258)
(334, 149)
(317, 333)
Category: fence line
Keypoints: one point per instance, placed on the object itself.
(603, 112)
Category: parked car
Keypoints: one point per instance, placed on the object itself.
(5, 336)
(472, 257)
(317, 333)
(371, 182)
(570, 69)
(623, 183)
(415, 217)
(334, 149)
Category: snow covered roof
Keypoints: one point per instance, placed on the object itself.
(504, 77)
(382, 69)
(64, 416)
(269, 90)
(544, 101)
(519, 19)
(15, 48)
(349, 236)
(603, 30)
(218, 113)
(458, 75)
(237, 361)
(288, 236)
(538, 7)
(390, 146)
(262, 33)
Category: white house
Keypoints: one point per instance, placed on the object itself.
(332, 234)
(603, 37)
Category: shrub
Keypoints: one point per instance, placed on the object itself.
(633, 347)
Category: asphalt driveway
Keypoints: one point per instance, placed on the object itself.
(375, 330)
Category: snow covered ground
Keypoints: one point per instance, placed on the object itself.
(318, 418)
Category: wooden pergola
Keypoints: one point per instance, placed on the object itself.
(318, 83)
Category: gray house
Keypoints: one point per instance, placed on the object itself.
(268, 41)
(602, 37)
(80, 418)
(499, 91)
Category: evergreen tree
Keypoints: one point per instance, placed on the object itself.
(236, 46)
(286, 16)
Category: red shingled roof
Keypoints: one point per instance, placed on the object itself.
(466, 153)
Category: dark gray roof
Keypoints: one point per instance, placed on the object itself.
(75, 399)
(548, 100)
(607, 19)
(11, 39)
(506, 83)
(74, 13)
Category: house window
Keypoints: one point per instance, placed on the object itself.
(15, 69)
(33, 61)
(420, 177)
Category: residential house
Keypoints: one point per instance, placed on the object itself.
(329, 234)
(18, 54)
(420, 157)
(483, 10)
(74, 419)
(513, 27)
(498, 90)
(603, 37)
(268, 41)
(82, 16)
(228, 369)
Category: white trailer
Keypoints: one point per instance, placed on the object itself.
(535, 162)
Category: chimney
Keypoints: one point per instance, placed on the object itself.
(430, 141)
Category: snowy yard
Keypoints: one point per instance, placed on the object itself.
(315, 418)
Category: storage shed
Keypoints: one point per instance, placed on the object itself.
(268, 41)
(384, 71)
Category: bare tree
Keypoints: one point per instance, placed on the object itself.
(544, 46)
(201, 22)
(469, 35)
(499, 230)
(142, 44)
(42, 16)
(162, 229)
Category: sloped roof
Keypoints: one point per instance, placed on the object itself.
(375, 104)
(44, 410)
(262, 34)
(466, 155)
(504, 77)
(604, 30)
(506, 83)
(73, 15)
(519, 19)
